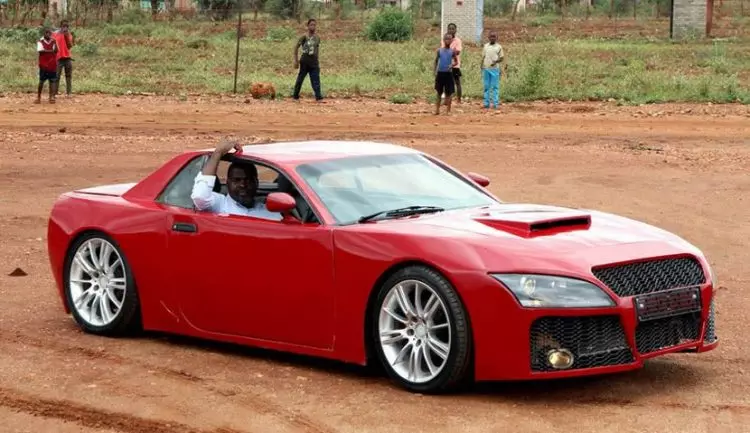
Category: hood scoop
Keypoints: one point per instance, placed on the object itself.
(535, 223)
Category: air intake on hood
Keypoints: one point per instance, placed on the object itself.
(536, 224)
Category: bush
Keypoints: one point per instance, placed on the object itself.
(391, 25)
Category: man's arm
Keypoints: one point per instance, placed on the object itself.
(203, 196)
(296, 51)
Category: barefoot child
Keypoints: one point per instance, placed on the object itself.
(445, 58)
(47, 49)
(492, 55)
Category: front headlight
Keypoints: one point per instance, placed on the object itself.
(550, 291)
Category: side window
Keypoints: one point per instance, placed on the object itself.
(177, 192)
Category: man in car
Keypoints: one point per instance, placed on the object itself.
(242, 184)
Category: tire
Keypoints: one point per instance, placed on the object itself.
(398, 341)
(99, 286)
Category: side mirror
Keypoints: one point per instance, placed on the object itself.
(478, 178)
(280, 202)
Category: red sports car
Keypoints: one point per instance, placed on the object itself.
(381, 254)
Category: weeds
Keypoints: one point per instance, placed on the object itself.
(180, 58)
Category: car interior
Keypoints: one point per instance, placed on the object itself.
(177, 192)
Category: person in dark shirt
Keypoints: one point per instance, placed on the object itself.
(47, 49)
(308, 63)
(445, 61)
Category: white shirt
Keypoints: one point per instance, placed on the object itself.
(205, 198)
(491, 53)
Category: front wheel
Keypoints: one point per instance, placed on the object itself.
(421, 332)
(99, 286)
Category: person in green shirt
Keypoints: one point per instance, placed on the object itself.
(308, 63)
(492, 55)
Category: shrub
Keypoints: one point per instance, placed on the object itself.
(391, 25)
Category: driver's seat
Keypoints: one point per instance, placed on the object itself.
(303, 211)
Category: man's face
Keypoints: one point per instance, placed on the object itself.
(64, 27)
(241, 187)
(447, 39)
(452, 29)
(47, 34)
(311, 27)
(493, 38)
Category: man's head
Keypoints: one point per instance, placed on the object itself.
(47, 33)
(452, 29)
(242, 183)
(311, 24)
(493, 37)
(447, 39)
(64, 27)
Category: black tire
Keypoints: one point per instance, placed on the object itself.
(457, 368)
(127, 319)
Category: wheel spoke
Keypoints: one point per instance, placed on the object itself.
(92, 254)
(80, 281)
(104, 308)
(83, 298)
(104, 255)
(437, 346)
(117, 283)
(403, 302)
(440, 326)
(84, 263)
(418, 299)
(393, 336)
(428, 359)
(404, 350)
(432, 305)
(395, 316)
(113, 298)
(413, 362)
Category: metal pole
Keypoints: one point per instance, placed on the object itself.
(237, 53)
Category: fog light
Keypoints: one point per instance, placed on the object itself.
(560, 358)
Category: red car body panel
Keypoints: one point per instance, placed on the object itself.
(306, 288)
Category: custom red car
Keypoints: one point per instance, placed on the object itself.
(383, 254)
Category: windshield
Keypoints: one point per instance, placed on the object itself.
(356, 186)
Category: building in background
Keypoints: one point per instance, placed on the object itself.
(468, 15)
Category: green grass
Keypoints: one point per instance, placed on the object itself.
(181, 59)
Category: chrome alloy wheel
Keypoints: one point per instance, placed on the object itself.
(415, 331)
(97, 282)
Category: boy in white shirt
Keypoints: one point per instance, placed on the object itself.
(492, 55)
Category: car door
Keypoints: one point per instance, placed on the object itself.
(254, 278)
(244, 276)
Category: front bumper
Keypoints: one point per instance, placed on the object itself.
(601, 340)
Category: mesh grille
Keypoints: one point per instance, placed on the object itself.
(595, 341)
(667, 332)
(711, 327)
(651, 276)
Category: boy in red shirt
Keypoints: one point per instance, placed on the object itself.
(64, 40)
(47, 49)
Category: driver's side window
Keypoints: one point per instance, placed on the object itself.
(178, 190)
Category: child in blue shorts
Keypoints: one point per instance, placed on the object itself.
(445, 58)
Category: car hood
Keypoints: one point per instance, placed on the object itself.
(540, 237)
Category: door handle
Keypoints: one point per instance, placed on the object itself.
(184, 227)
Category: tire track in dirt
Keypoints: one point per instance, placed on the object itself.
(92, 417)
(604, 401)
(253, 400)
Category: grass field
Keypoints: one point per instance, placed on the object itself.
(185, 57)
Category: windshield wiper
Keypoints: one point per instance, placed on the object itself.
(403, 211)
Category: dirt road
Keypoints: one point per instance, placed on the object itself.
(682, 167)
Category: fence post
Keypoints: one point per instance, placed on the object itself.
(237, 52)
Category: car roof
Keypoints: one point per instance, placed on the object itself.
(300, 152)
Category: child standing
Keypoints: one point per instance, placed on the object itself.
(492, 55)
(445, 58)
(47, 49)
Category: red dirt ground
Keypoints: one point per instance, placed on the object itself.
(682, 167)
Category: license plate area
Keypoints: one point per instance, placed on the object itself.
(668, 303)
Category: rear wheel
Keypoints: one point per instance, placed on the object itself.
(421, 333)
(99, 286)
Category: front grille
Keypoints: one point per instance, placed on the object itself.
(651, 276)
(711, 327)
(668, 303)
(594, 341)
(667, 332)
